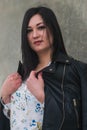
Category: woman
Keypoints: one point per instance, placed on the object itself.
(50, 74)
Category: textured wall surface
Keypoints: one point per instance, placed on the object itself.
(72, 17)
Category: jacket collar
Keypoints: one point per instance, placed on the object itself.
(63, 59)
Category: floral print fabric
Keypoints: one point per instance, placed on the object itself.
(26, 110)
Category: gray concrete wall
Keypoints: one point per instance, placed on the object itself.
(72, 17)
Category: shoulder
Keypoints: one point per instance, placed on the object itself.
(79, 65)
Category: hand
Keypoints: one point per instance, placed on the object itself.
(10, 85)
(36, 85)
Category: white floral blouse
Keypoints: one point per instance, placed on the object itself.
(26, 112)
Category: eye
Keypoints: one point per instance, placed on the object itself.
(42, 27)
(29, 30)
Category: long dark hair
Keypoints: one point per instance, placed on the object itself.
(29, 57)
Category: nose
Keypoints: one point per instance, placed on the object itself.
(35, 33)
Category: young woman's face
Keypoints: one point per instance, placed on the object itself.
(39, 37)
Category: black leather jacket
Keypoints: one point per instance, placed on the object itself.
(65, 96)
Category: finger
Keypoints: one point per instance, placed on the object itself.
(12, 75)
(16, 85)
(15, 77)
(32, 74)
(40, 76)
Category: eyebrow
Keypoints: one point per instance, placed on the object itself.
(37, 24)
(40, 23)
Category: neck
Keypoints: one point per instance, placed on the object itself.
(44, 60)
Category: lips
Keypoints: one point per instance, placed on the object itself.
(37, 42)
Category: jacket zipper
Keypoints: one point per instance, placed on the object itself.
(62, 85)
(76, 112)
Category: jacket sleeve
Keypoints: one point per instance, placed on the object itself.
(83, 76)
(4, 122)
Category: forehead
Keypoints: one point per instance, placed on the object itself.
(35, 20)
